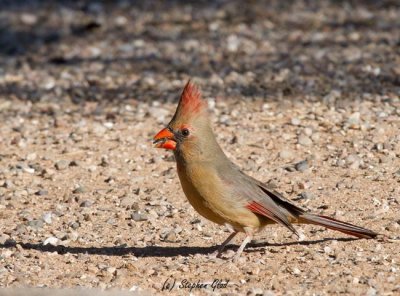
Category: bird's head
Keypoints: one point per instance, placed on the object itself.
(189, 127)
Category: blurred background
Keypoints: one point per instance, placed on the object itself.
(118, 50)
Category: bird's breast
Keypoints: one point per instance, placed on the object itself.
(211, 199)
(192, 187)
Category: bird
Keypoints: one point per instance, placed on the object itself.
(219, 190)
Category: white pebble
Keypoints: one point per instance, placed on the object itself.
(51, 241)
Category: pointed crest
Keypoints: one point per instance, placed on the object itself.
(190, 102)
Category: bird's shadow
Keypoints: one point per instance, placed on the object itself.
(155, 251)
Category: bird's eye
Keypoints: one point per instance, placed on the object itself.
(185, 132)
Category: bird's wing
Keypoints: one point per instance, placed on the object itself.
(280, 200)
(257, 197)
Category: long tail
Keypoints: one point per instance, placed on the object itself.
(337, 225)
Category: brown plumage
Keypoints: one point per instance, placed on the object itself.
(218, 190)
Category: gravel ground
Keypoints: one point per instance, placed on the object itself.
(304, 96)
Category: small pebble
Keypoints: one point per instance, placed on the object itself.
(86, 204)
(79, 189)
(308, 131)
(61, 165)
(137, 216)
(41, 192)
(353, 161)
(301, 166)
(304, 140)
(170, 237)
(256, 291)
(371, 292)
(128, 202)
(307, 195)
(8, 184)
(286, 154)
(296, 271)
(73, 236)
(3, 238)
(51, 241)
(295, 121)
(47, 218)
(37, 224)
(354, 120)
(74, 225)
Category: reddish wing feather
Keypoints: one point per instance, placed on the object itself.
(255, 207)
(258, 208)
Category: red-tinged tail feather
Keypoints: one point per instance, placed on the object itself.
(334, 224)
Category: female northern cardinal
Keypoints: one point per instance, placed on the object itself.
(216, 187)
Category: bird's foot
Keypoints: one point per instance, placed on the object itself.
(235, 259)
(301, 237)
(238, 258)
(241, 248)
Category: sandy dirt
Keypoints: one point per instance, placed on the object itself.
(304, 97)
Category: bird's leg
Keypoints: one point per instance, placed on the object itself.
(242, 246)
(223, 245)
(249, 235)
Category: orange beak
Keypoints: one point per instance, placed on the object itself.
(165, 139)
